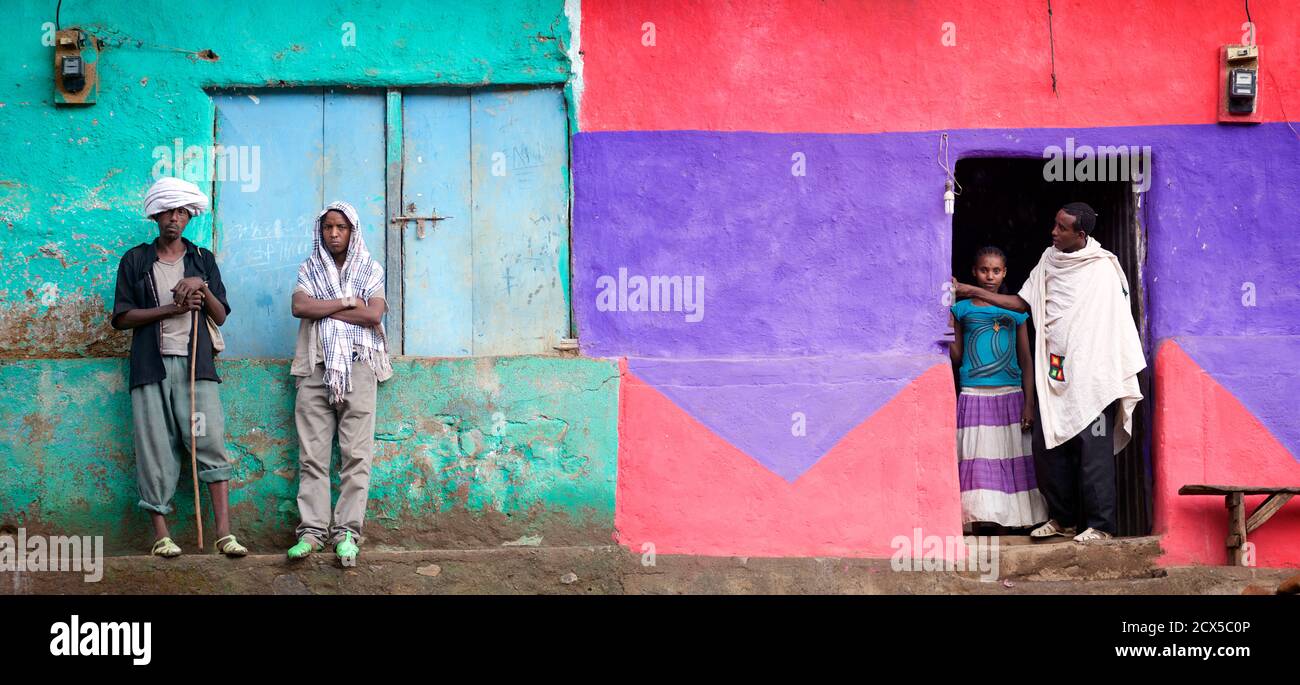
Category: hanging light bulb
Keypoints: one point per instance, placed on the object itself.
(949, 199)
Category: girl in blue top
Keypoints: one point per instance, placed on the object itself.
(996, 407)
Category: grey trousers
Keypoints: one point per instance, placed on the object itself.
(318, 422)
(160, 414)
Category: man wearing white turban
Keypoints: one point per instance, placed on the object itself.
(159, 284)
(170, 193)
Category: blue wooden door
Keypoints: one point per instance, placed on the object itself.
(312, 147)
(490, 279)
(487, 277)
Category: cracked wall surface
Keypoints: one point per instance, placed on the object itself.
(467, 452)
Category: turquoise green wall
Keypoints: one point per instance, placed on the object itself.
(469, 452)
(72, 179)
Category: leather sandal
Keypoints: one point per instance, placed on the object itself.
(165, 548)
(1051, 529)
(230, 547)
(1092, 535)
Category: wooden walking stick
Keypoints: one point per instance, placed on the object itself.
(194, 459)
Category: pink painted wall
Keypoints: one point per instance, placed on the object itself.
(687, 491)
(1203, 434)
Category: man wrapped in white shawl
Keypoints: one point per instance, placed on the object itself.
(1087, 353)
(360, 277)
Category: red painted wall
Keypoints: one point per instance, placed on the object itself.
(1204, 435)
(687, 491)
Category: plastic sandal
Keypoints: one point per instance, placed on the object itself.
(1050, 529)
(347, 550)
(303, 549)
(165, 548)
(230, 547)
(1092, 535)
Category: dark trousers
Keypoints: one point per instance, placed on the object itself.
(1079, 470)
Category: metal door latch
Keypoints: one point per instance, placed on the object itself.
(419, 220)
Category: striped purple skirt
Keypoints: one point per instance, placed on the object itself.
(995, 461)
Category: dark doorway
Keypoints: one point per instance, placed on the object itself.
(1005, 202)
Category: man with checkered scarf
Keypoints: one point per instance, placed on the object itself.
(340, 358)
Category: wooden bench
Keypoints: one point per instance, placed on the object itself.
(1238, 524)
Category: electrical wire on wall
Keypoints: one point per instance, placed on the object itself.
(1281, 106)
(1272, 79)
(111, 37)
(951, 187)
(1051, 39)
(117, 39)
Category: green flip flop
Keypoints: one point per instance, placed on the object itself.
(347, 550)
(303, 549)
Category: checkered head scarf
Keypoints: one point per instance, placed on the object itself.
(360, 277)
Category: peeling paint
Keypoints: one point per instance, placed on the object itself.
(457, 457)
(85, 170)
(56, 325)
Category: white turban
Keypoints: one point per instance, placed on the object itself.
(170, 193)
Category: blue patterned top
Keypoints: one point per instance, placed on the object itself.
(988, 344)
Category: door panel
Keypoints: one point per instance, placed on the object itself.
(438, 285)
(488, 279)
(521, 236)
(353, 168)
(314, 147)
(262, 235)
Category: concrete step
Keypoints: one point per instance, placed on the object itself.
(1063, 559)
(614, 570)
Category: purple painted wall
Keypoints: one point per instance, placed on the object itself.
(787, 260)
(1260, 372)
(750, 403)
(851, 259)
(782, 278)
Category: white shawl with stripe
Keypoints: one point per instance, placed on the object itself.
(1103, 352)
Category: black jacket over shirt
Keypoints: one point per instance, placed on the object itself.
(136, 290)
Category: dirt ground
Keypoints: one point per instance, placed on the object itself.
(1118, 567)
